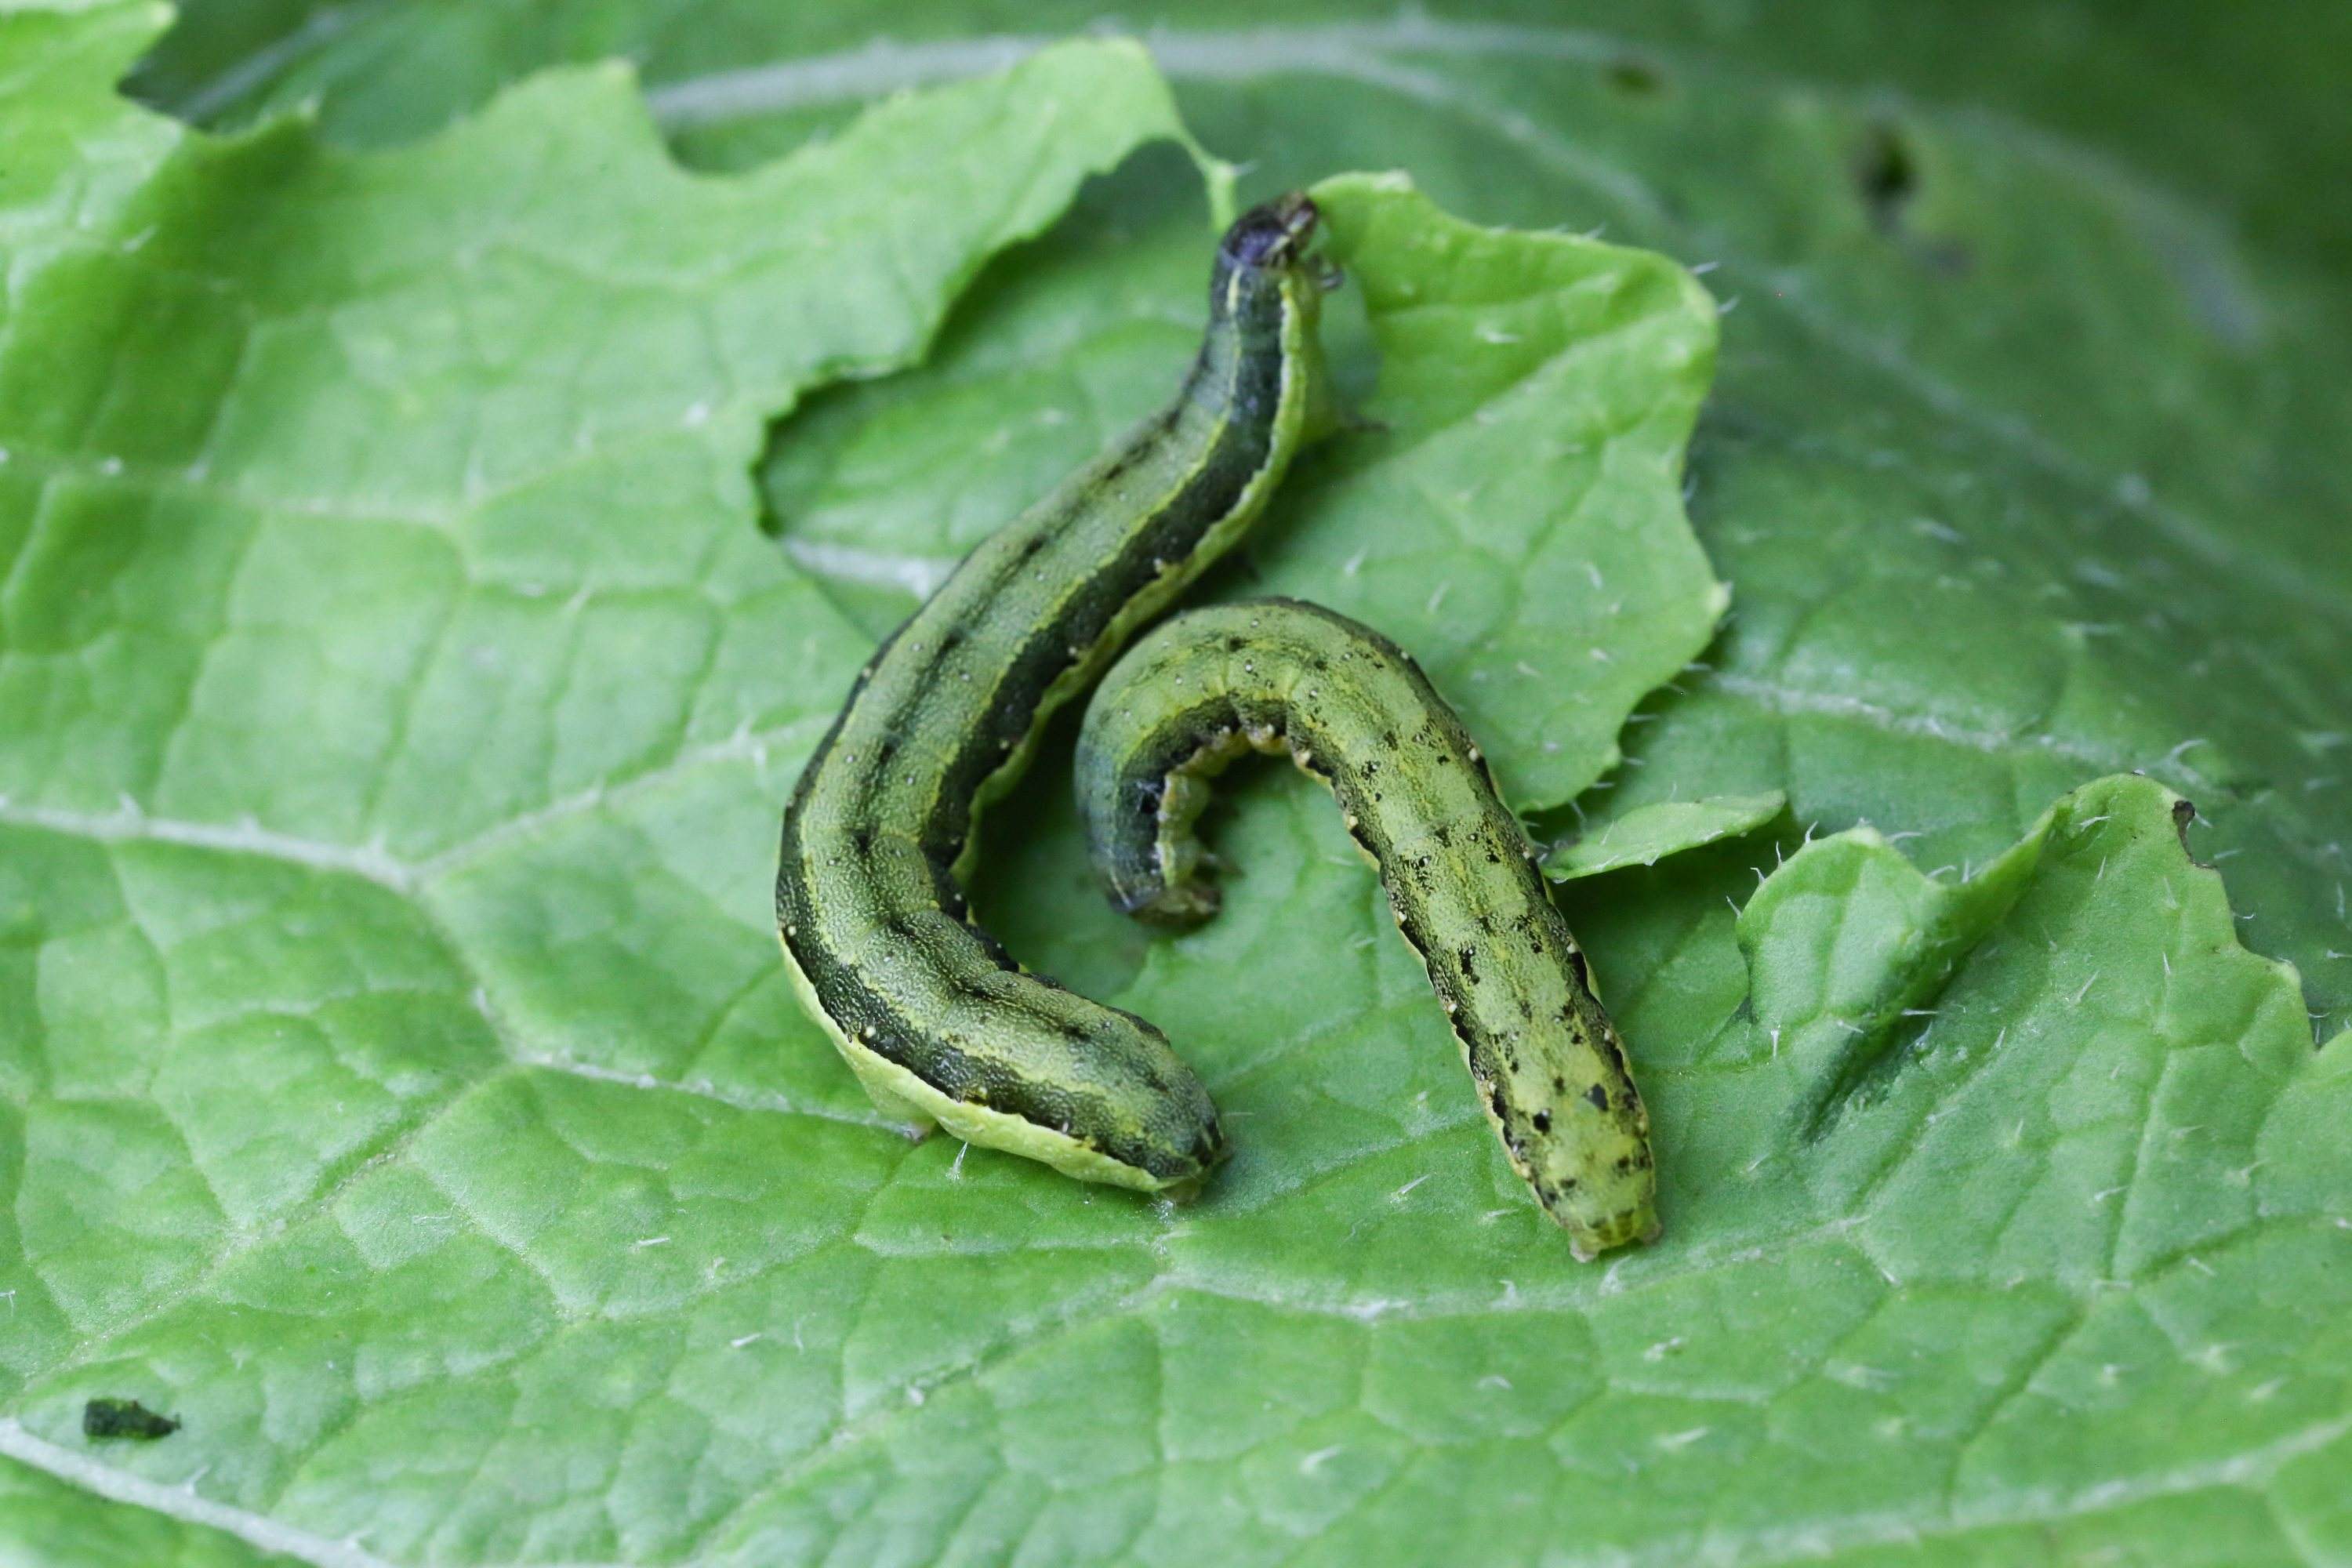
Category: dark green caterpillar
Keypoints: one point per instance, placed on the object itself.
(933, 1013)
(1354, 711)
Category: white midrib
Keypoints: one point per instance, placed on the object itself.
(1813, 1539)
(129, 823)
(180, 1502)
(885, 66)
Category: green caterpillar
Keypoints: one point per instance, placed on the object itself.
(931, 1013)
(939, 1021)
(1354, 711)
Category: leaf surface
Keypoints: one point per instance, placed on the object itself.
(400, 698)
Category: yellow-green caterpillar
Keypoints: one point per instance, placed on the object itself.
(939, 1021)
(1354, 711)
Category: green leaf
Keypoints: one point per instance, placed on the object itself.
(1519, 495)
(1647, 833)
(399, 1088)
(1848, 942)
(1866, 975)
(47, 1518)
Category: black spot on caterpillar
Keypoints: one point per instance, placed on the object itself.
(1214, 682)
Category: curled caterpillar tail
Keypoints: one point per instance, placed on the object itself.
(1353, 709)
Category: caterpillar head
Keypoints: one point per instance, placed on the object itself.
(1265, 257)
(1270, 235)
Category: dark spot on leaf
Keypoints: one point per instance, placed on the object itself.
(1599, 1096)
(1634, 77)
(125, 1418)
(1887, 177)
(1886, 174)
